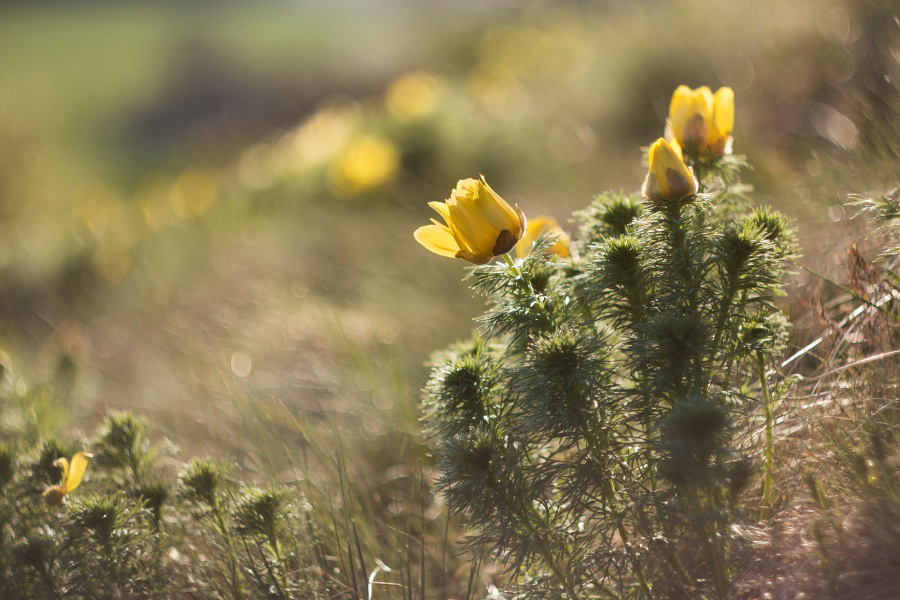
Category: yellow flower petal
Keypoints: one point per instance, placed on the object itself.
(64, 463)
(76, 471)
(702, 120)
(680, 110)
(471, 230)
(536, 227)
(478, 217)
(442, 209)
(723, 111)
(703, 102)
(438, 239)
(479, 224)
(475, 259)
(668, 178)
(496, 210)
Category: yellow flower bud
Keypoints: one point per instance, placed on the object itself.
(479, 224)
(702, 120)
(669, 178)
(536, 227)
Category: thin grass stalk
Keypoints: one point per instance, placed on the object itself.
(234, 575)
(769, 452)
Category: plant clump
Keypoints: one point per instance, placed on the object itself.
(599, 438)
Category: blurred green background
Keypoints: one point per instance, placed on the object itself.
(206, 209)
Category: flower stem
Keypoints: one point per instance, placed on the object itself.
(512, 264)
(219, 517)
(770, 437)
(526, 516)
(538, 299)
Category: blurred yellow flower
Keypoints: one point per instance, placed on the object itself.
(71, 476)
(368, 162)
(702, 120)
(497, 89)
(479, 224)
(412, 96)
(193, 193)
(669, 178)
(536, 227)
(323, 135)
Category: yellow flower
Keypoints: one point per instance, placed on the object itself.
(413, 96)
(536, 227)
(702, 120)
(669, 178)
(479, 224)
(368, 162)
(72, 475)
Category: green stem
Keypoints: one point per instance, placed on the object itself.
(638, 570)
(679, 244)
(768, 411)
(678, 241)
(718, 553)
(526, 516)
(538, 300)
(512, 265)
(588, 435)
(236, 591)
(720, 325)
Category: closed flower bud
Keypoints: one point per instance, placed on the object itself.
(701, 120)
(669, 178)
(478, 224)
(548, 225)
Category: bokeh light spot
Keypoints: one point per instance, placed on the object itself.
(412, 96)
(571, 141)
(496, 88)
(836, 213)
(241, 365)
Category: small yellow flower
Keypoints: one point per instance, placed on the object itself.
(479, 224)
(536, 227)
(702, 120)
(72, 475)
(669, 178)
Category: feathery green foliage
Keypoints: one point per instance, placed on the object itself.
(131, 530)
(596, 437)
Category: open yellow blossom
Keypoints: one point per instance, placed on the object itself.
(669, 178)
(702, 120)
(478, 224)
(536, 227)
(71, 477)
